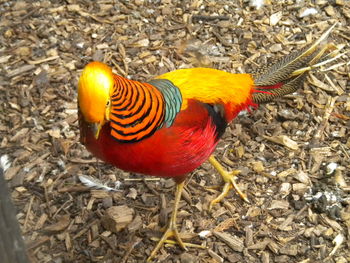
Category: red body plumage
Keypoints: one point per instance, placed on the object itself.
(169, 152)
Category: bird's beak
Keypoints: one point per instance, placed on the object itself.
(98, 126)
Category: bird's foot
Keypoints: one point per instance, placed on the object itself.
(230, 182)
(170, 232)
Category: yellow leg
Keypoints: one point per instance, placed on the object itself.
(229, 179)
(171, 230)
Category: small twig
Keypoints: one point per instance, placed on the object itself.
(37, 243)
(76, 188)
(109, 243)
(344, 151)
(64, 206)
(20, 70)
(222, 40)
(176, 27)
(151, 209)
(131, 248)
(58, 178)
(46, 196)
(28, 213)
(291, 217)
(28, 14)
(336, 88)
(328, 110)
(39, 160)
(140, 179)
(150, 188)
(172, 242)
(35, 62)
(163, 214)
(78, 160)
(86, 14)
(119, 69)
(85, 229)
(343, 36)
(301, 211)
(196, 18)
(186, 196)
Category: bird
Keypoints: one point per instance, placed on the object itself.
(171, 124)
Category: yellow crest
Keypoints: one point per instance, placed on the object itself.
(94, 89)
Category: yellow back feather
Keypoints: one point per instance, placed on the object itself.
(211, 85)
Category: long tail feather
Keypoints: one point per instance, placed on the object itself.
(288, 74)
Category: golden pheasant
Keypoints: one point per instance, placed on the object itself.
(170, 125)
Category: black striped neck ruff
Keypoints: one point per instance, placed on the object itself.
(137, 110)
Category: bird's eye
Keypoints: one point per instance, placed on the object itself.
(107, 104)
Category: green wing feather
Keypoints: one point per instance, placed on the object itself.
(172, 97)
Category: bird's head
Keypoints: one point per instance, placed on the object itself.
(94, 92)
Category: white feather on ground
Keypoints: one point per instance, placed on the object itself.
(95, 183)
(308, 12)
(257, 3)
(5, 162)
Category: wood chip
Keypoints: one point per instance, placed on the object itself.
(61, 224)
(215, 256)
(279, 204)
(228, 223)
(100, 194)
(233, 242)
(275, 18)
(284, 226)
(291, 250)
(32, 62)
(283, 140)
(260, 245)
(117, 218)
(11, 172)
(286, 173)
(258, 166)
(37, 243)
(20, 70)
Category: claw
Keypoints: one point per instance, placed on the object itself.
(171, 231)
(230, 182)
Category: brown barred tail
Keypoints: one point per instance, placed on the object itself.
(287, 75)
